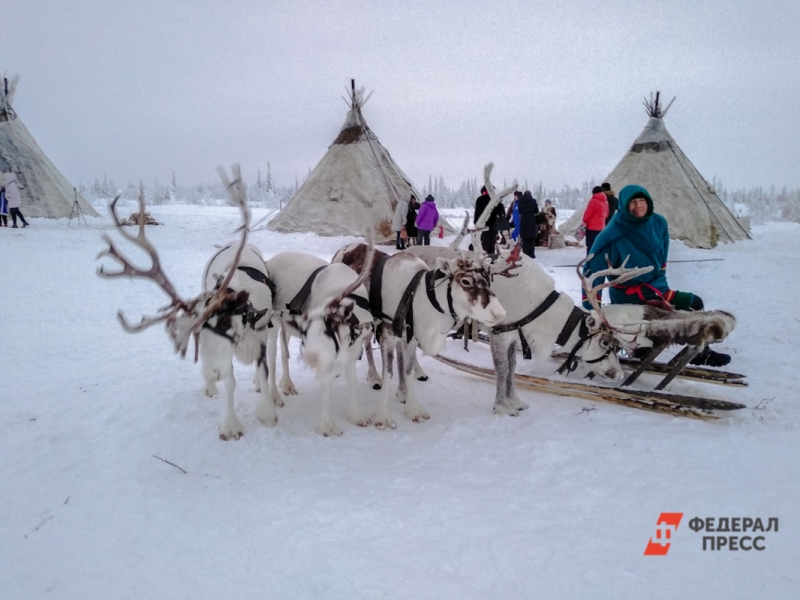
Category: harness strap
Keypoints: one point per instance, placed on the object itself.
(376, 285)
(404, 317)
(259, 277)
(431, 277)
(576, 316)
(219, 332)
(534, 314)
(298, 302)
(361, 302)
(526, 349)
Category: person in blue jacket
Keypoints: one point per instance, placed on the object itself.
(512, 214)
(642, 234)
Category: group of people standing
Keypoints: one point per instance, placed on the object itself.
(413, 222)
(10, 200)
(522, 220)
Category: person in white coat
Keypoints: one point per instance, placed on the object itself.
(12, 196)
(399, 221)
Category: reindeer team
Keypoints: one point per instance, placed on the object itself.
(407, 300)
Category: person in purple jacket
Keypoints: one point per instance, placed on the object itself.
(427, 219)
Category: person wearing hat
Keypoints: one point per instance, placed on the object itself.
(528, 227)
(641, 234)
(427, 219)
(411, 221)
(594, 218)
(612, 200)
(489, 236)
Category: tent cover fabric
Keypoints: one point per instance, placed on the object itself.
(694, 212)
(354, 188)
(44, 191)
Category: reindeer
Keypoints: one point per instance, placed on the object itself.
(418, 307)
(647, 326)
(326, 306)
(230, 317)
(538, 316)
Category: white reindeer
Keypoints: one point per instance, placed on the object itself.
(546, 319)
(542, 318)
(332, 321)
(418, 307)
(229, 318)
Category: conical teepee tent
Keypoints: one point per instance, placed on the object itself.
(354, 187)
(694, 212)
(43, 189)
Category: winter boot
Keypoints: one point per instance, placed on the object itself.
(709, 358)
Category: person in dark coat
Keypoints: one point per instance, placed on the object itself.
(528, 228)
(488, 237)
(613, 201)
(411, 221)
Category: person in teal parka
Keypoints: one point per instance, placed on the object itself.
(636, 231)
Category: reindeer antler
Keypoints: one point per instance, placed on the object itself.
(155, 273)
(496, 198)
(181, 317)
(512, 261)
(238, 198)
(621, 274)
(461, 234)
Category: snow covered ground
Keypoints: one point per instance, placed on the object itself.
(557, 503)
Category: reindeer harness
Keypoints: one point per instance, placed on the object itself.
(297, 304)
(578, 318)
(403, 319)
(250, 316)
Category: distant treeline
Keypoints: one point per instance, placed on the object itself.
(758, 203)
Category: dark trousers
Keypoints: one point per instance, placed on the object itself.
(4, 220)
(591, 234)
(423, 237)
(488, 240)
(400, 244)
(14, 214)
(529, 246)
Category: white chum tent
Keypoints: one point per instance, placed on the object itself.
(44, 191)
(355, 187)
(693, 210)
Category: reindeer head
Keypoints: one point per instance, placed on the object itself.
(470, 294)
(183, 319)
(337, 324)
(598, 346)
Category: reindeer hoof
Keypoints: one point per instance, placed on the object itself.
(233, 436)
(329, 430)
(376, 386)
(421, 417)
(422, 378)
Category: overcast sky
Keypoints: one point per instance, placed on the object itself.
(550, 91)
